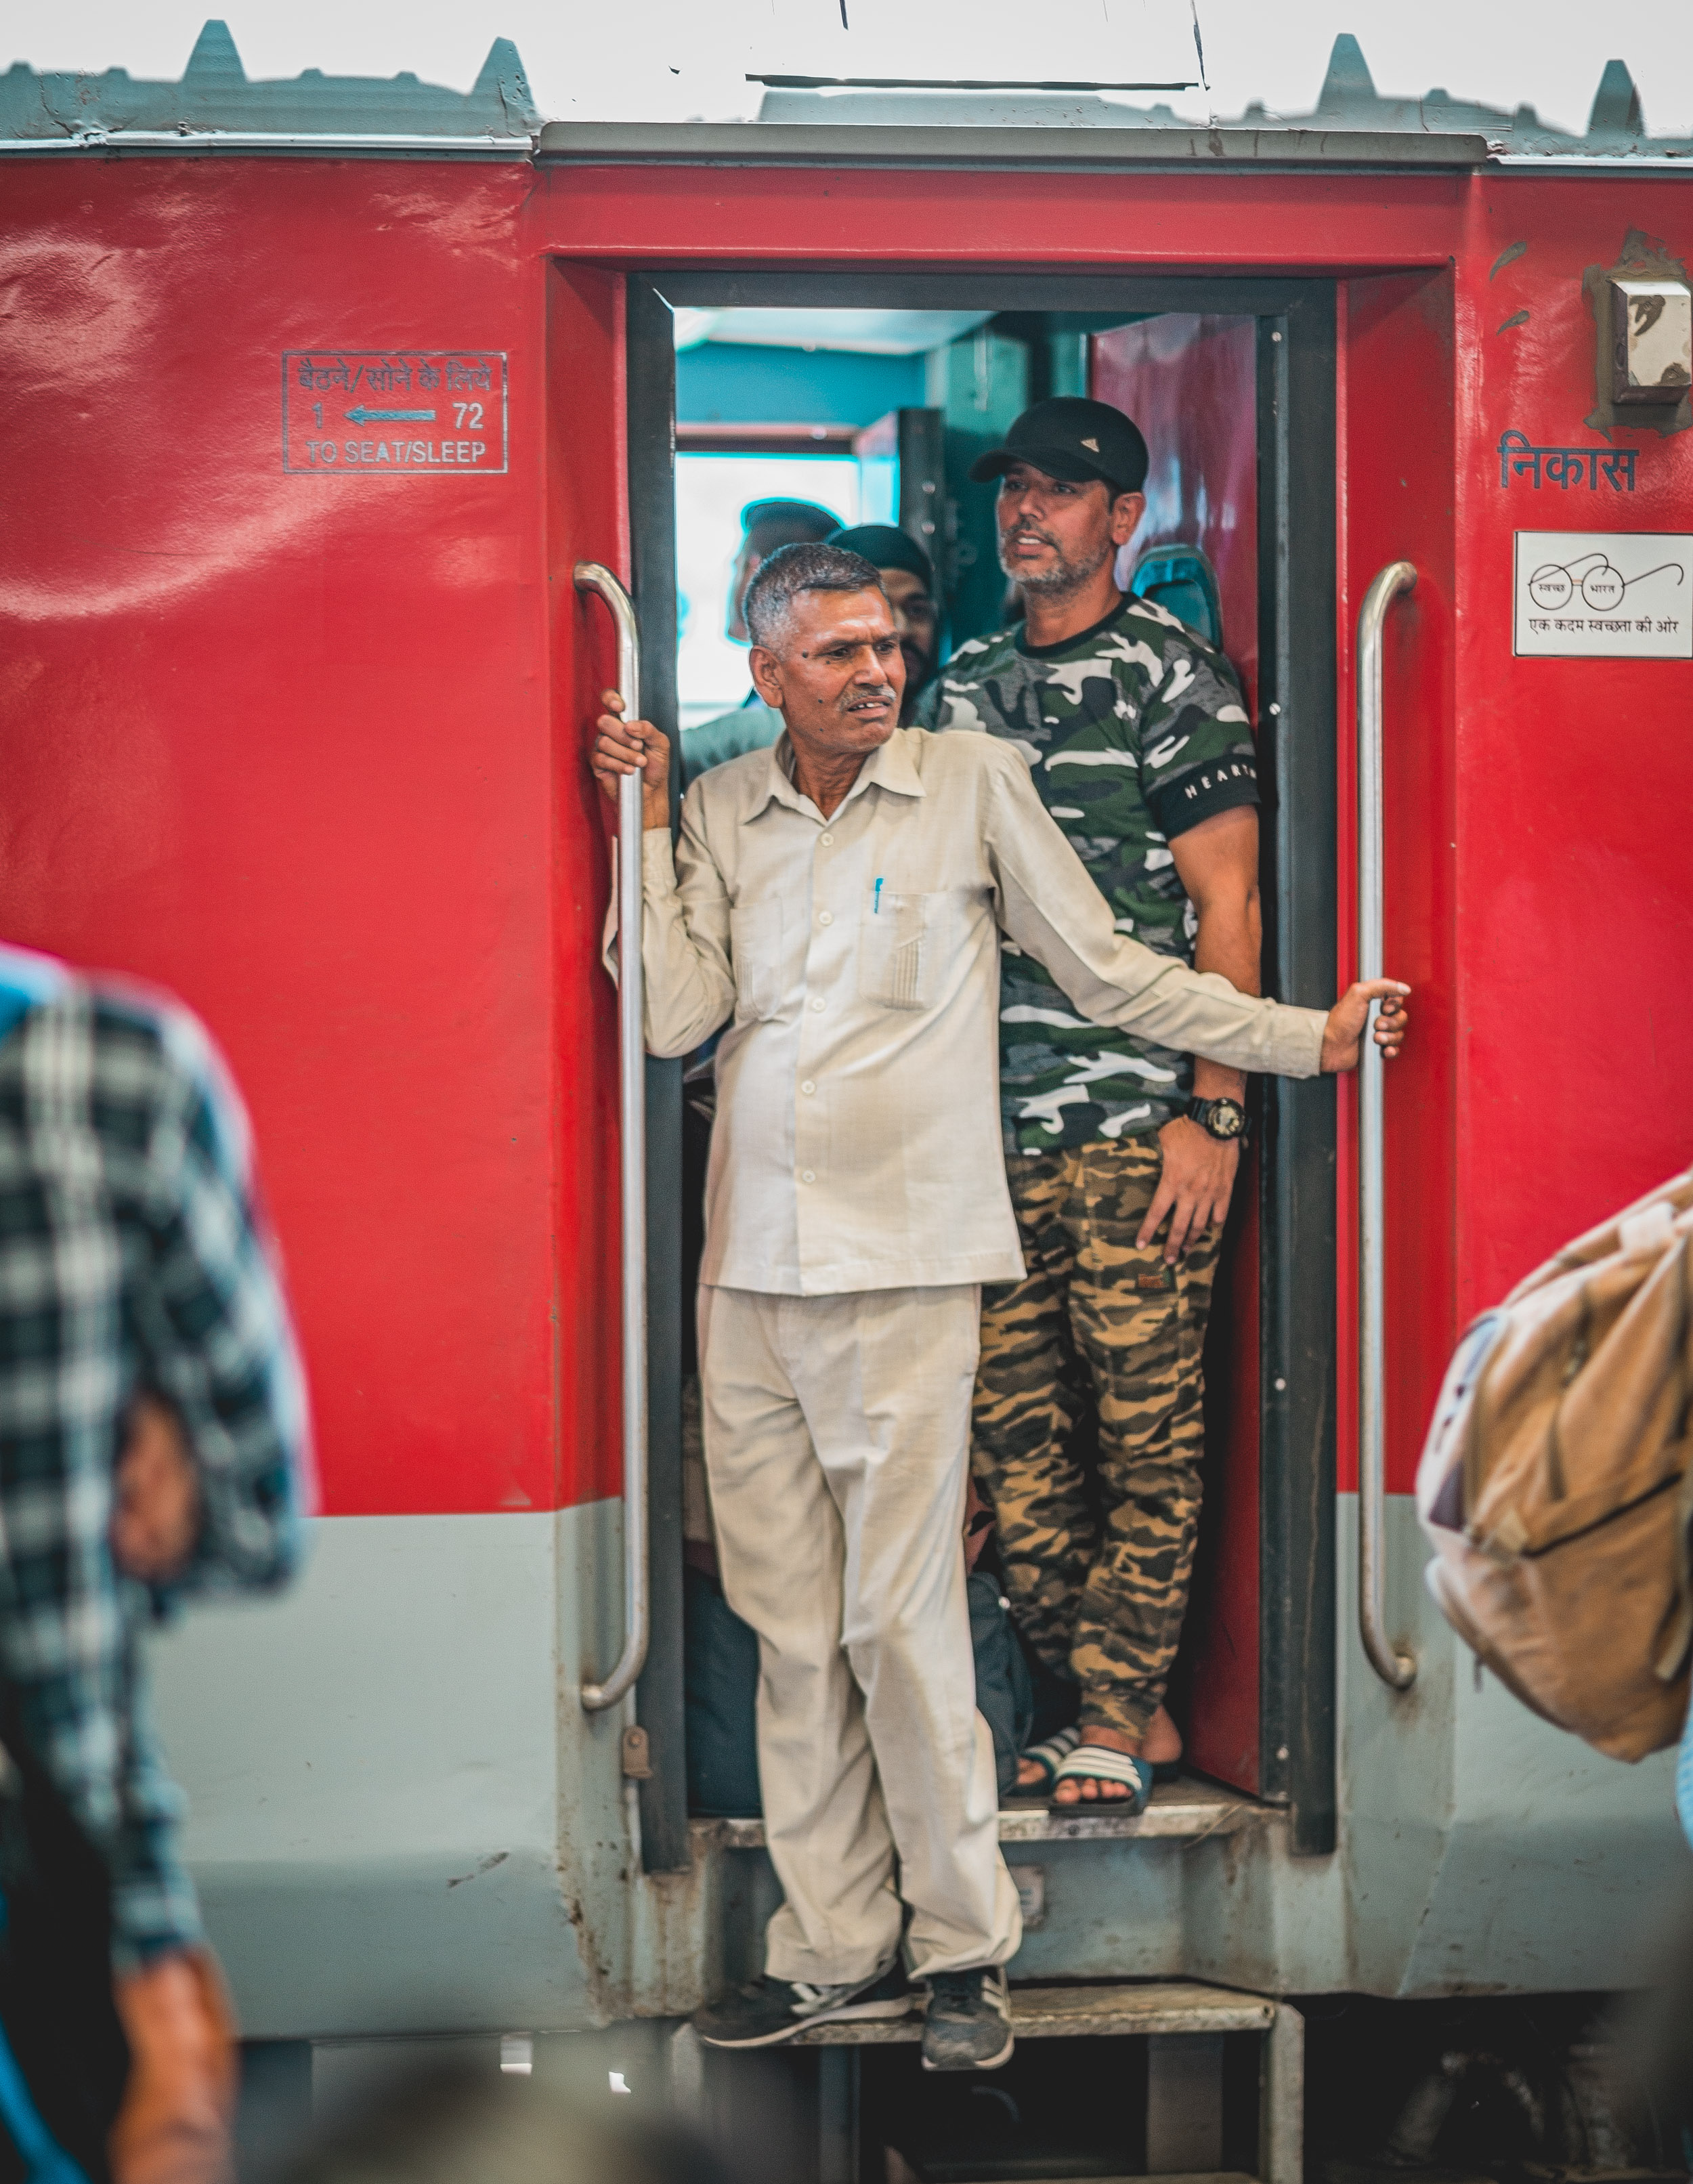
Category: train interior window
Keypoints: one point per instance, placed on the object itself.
(713, 486)
(876, 416)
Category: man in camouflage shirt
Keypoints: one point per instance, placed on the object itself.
(1139, 742)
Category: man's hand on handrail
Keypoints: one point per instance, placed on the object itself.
(623, 747)
(1343, 1034)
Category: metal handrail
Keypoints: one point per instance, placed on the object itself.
(632, 1070)
(1393, 1667)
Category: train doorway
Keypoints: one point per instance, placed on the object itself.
(1235, 381)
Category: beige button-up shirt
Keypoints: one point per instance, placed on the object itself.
(857, 1143)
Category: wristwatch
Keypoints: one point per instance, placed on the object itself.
(1223, 1118)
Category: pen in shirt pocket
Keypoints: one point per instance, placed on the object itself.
(876, 904)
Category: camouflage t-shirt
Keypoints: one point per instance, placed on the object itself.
(1134, 730)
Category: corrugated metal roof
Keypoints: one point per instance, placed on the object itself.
(216, 107)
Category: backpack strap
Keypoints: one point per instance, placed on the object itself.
(1578, 1353)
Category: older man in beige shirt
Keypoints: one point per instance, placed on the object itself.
(842, 898)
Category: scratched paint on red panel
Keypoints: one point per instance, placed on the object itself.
(287, 749)
(1575, 777)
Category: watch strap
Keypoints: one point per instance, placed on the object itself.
(1201, 1111)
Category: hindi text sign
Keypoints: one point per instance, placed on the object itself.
(391, 413)
(1564, 466)
(1603, 596)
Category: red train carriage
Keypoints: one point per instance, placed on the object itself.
(309, 425)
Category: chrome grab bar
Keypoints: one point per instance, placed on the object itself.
(632, 1070)
(1393, 1667)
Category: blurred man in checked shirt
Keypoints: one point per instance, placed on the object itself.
(152, 1442)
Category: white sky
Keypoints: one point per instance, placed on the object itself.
(675, 59)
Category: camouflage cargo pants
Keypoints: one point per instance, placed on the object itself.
(1097, 1568)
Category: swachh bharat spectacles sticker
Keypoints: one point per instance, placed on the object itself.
(393, 413)
(1604, 595)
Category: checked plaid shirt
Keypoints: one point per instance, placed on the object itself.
(132, 1256)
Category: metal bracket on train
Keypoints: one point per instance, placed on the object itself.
(637, 1757)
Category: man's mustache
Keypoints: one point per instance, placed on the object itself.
(1027, 531)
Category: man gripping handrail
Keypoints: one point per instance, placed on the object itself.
(839, 901)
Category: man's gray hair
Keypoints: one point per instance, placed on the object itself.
(795, 569)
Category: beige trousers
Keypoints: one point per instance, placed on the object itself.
(837, 1434)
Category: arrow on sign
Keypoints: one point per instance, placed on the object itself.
(361, 415)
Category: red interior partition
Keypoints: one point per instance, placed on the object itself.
(1189, 381)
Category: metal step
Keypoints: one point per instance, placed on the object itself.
(1182, 2021)
(1192, 2176)
(1083, 2013)
(1180, 1812)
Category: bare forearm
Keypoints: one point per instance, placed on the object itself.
(1230, 940)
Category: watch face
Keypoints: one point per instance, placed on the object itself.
(1227, 1118)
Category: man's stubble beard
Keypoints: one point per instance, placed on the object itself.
(1065, 577)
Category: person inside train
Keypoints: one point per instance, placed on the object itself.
(153, 1443)
(1122, 1149)
(767, 526)
(841, 897)
(907, 578)
(908, 583)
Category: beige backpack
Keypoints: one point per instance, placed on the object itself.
(1555, 1483)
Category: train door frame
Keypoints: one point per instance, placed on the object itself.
(649, 380)
(1297, 455)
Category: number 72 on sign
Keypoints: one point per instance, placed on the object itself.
(388, 412)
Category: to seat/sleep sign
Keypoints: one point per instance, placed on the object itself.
(393, 413)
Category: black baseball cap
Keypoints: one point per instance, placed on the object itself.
(803, 522)
(888, 547)
(1073, 438)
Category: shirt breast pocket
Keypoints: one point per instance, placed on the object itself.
(903, 950)
(755, 933)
